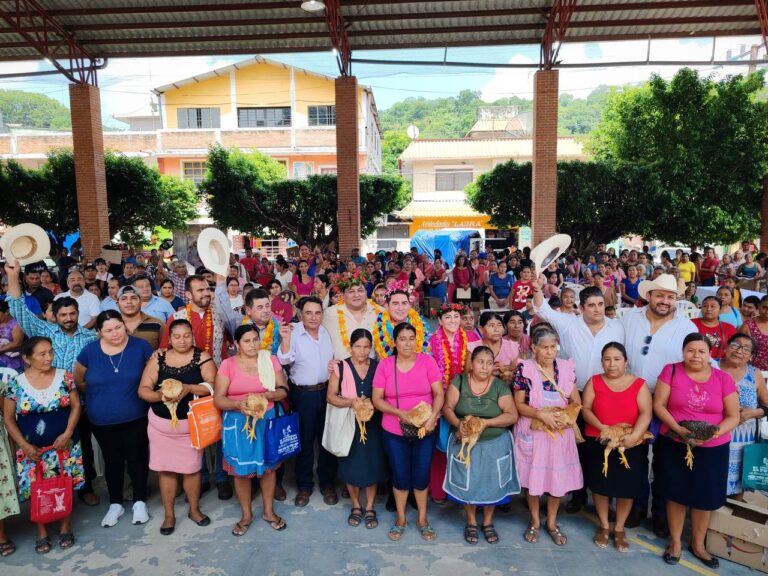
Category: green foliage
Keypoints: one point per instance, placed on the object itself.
(595, 200)
(139, 197)
(706, 141)
(241, 195)
(33, 110)
(392, 145)
(453, 117)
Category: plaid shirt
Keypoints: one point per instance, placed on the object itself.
(66, 348)
(178, 285)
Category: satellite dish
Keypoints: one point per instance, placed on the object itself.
(412, 131)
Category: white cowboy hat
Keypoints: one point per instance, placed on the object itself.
(213, 250)
(549, 250)
(27, 243)
(664, 282)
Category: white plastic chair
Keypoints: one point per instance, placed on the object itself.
(575, 287)
(6, 374)
(687, 309)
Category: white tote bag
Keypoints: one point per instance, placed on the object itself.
(339, 430)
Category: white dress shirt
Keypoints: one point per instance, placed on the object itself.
(307, 357)
(88, 306)
(579, 344)
(665, 346)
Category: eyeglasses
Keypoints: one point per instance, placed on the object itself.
(647, 342)
(740, 348)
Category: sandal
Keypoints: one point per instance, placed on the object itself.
(427, 532)
(371, 521)
(355, 517)
(240, 529)
(470, 534)
(7, 548)
(531, 535)
(557, 537)
(43, 545)
(601, 537)
(276, 524)
(491, 536)
(396, 532)
(620, 541)
(66, 540)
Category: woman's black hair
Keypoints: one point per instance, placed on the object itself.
(233, 279)
(487, 316)
(697, 337)
(359, 334)
(730, 290)
(715, 298)
(105, 316)
(166, 281)
(179, 322)
(509, 314)
(742, 336)
(3, 306)
(29, 345)
(399, 329)
(481, 350)
(244, 329)
(616, 346)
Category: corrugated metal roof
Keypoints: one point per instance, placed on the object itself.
(508, 148)
(108, 28)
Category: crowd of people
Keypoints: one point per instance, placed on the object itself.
(533, 391)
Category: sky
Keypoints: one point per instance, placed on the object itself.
(126, 83)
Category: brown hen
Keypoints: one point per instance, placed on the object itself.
(255, 408)
(611, 436)
(473, 427)
(171, 388)
(569, 414)
(418, 416)
(363, 408)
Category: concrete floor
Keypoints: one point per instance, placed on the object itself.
(319, 542)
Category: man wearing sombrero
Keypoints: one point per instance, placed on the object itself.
(654, 337)
(353, 312)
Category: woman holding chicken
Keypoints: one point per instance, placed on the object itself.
(170, 447)
(698, 406)
(252, 375)
(545, 445)
(481, 469)
(408, 390)
(617, 411)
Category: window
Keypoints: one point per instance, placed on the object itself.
(327, 169)
(302, 169)
(452, 179)
(194, 171)
(198, 118)
(263, 117)
(322, 115)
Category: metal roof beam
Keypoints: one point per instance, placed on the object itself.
(762, 14)
(337, 27)
(558, 19)
(50, 40)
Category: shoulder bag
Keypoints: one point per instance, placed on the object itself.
(51, 498)
(204, 420)
(339, 430)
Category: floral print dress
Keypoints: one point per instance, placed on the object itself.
(9, 501)
(42, 415)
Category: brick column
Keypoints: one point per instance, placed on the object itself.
(544, 193)
(88, 144)
(347, 165)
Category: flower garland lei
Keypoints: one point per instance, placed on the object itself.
(383, 342)
(268, 337)
(343, 322)
(208, 322)
(453, 364)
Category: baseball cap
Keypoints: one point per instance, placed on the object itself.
(127, 290)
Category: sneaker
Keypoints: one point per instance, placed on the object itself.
(114, 512)
(140, 514)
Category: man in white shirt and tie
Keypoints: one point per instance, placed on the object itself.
(305, 351)
(582, 339)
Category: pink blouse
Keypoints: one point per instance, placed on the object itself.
(303, 289)
(508, 353)
(241, 383)
(413, 386)
(686, 403)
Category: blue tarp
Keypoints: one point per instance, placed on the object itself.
(447, 241)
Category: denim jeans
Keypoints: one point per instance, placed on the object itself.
(410, 460)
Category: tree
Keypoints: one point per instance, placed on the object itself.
(139, 197)
(246, 193)
(392, 145)
(33, 110)
(596, 201)
(706, 140)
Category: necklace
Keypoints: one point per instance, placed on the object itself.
(483, 391)
(208, 326)
(116, 368)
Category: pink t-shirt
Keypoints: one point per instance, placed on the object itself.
(706, 404)
(303, 289)
(240, 383)
(508, 353)
(413, 386)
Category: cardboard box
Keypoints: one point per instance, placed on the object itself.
(739, 532)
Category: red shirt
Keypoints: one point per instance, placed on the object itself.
(718, 336)
(520, 291)
(712, 264)
(250, 265)
(613, 407)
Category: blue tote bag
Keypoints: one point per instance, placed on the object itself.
(281, 437)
